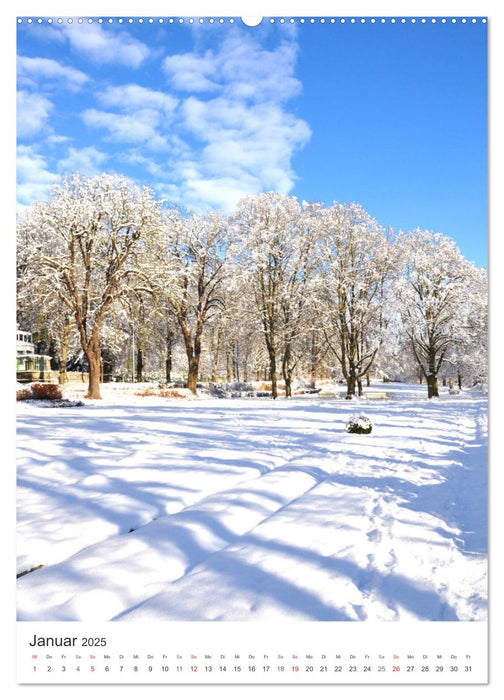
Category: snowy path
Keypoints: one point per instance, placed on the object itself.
(253, 510)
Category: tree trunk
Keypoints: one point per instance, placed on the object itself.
(273, 373)
(62, 375)
(351, 382)
(192, 376)
(193, 352)
(93, 355)
(65, 341)
(432, 380)
(459, 380)
(168, 360)
(236, 362)
(287, 371)
(229, 367)
(313, 359)
(432, 386)
(288, 382)
(359, 386)
(216, 350)
(139, 365)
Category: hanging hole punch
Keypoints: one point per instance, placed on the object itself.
(252, 21)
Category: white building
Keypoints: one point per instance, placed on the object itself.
(30, 366)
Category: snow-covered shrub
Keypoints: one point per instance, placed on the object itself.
(62, 403)
(360, 424)
(51, 392)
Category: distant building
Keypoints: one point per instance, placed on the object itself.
(30, 366)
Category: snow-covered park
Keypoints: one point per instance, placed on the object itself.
(147, 508)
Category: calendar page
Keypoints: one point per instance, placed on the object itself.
(252, 348)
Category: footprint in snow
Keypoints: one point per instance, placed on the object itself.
(392, 560)
(374, 535)
(378, 509)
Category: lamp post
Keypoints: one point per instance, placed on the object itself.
(133, 353)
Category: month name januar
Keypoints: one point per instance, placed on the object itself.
(52, 641)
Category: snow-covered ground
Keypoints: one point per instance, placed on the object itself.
(143, 508)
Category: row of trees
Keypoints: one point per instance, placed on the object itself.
(299, 288)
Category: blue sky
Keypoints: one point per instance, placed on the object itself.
(389, 115)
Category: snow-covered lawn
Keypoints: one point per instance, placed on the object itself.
(249, 509)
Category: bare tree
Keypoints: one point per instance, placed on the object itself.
(273, 253)
(468, 357)
(433, 289)
(194, 264)
(83, 241)
(354, 268)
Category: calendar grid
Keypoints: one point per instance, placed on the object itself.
(206, 653)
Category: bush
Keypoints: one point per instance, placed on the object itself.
(48, 392)
(23, 395)
(163, 393)
(360, 424)
(147, 392)
(171, 394)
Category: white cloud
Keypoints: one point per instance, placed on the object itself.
(241, 68)
(138, 159)
(135, 97)
(56, 139)
(106, 45)
(220, 192)
(33, 176)
(192, 73)
(235, 134)
(251, 72)
(87, 161)
(32, 71)
(143, 118)
(33, 113)
(244, 136)
(242, 140)
(138, 127)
